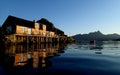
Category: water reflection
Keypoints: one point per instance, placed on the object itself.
(32, 56)
(42, 59)
(100, 47)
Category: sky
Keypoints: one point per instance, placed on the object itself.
(71, 16)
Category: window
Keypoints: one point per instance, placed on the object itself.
(48, 33)
(29, 31)
(44, 27)
(36, 31)
(43, 33)
(23, 29)
(9, 28)
(36, 25)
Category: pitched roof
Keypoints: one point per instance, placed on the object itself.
(50, 26)
(18, 21)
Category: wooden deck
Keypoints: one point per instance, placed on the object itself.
(25, 38)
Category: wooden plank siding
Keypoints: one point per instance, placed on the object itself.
(24, 30)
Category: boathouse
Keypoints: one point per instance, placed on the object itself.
(21, 30)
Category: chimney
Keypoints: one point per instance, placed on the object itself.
(34, 20)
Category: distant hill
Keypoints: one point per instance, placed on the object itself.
(95, 36)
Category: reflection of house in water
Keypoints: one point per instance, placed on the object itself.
(20, 59)
(37, 52)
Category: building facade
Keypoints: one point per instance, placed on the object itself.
(20, 30)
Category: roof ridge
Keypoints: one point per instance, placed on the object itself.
(10, 16)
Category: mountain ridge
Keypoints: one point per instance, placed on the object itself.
(97, 35)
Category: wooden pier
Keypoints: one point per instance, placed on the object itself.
(20, 38)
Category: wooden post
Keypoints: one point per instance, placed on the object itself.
(14, 39)
(21, 38)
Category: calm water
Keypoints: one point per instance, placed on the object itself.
(59, 59)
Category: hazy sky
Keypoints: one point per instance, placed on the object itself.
(71, 16)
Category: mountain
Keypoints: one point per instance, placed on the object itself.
(95, 36)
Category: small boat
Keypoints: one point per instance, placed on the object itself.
(98, 52)
(97, 47)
